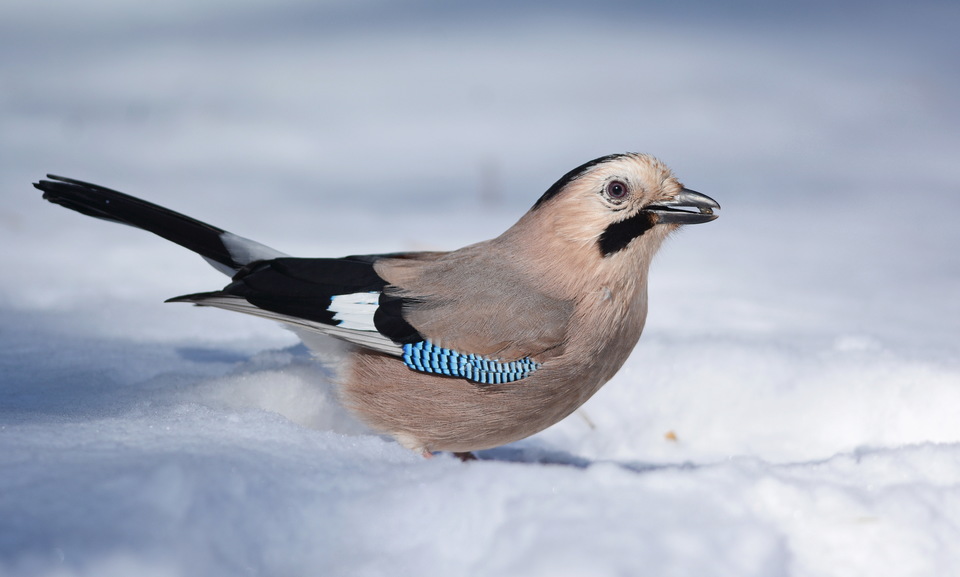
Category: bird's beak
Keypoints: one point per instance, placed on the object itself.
(674, 210)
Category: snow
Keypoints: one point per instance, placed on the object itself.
(791, 409)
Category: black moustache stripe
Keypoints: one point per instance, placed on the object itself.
(618, 235)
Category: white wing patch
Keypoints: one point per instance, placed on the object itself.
(371, 340)
(355, 310)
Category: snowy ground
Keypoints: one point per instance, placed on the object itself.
(793, 407)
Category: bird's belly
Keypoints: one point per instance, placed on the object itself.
(426, 412)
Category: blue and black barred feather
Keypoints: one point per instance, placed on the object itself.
(426, 357)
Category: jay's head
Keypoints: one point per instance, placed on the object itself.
(615, 201)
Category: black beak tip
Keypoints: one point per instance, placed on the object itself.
(679, 210)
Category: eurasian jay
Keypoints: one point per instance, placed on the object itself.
(468, 349)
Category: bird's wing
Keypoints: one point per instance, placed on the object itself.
(335, 296)
(493, 328)
(478, 301)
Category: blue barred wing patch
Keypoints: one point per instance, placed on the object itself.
(427, 357)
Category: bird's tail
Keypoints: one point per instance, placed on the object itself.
(227, 252)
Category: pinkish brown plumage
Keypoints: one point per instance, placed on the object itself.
(562, 294)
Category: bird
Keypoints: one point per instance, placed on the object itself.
(463, 350)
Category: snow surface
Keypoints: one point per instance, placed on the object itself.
(793, 407)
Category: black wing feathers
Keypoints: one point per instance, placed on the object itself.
(104, 203)
(299, 288)
(303, 288)
(390, 322)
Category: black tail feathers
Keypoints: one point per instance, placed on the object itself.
(104, 203)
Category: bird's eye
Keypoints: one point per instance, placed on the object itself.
(616, 190)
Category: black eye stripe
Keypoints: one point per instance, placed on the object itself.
(618, 235)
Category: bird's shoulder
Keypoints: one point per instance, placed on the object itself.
(478, 300)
